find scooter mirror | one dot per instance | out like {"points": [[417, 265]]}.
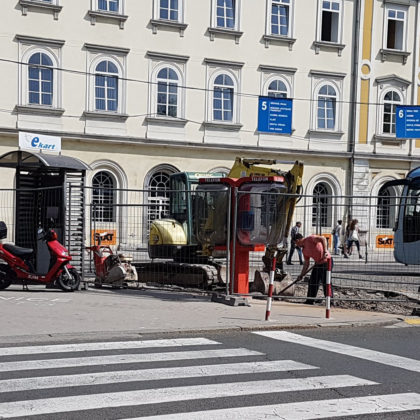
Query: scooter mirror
{"points": [[40, 233]]}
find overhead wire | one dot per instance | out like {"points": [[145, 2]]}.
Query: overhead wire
{"points": [[185, 87]]}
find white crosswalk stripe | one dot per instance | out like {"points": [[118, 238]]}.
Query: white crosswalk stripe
{"points": [[361, 353], [162, 395], [309, 409], [243, 373], [119, 345], [123, 358], [62, 381]]}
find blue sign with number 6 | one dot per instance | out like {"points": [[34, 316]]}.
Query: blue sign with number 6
{"points": [[407, 122]]}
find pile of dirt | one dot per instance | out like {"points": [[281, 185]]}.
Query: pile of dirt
{"points": [[368, 300]]}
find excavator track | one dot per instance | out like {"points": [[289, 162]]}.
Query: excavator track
{"points": [[178, 273]]}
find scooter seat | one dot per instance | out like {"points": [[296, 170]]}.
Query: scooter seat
{"points": [[18, 250]]}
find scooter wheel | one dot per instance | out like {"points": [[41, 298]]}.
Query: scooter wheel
{"points": [[69, 283], [6, 278]]}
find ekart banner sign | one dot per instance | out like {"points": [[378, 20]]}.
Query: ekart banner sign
{"points": [[37, 142]]}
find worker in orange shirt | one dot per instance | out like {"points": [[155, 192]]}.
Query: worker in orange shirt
{"points": [[315, 247]]}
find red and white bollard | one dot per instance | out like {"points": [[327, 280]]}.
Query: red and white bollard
{"points": [[328, 288], [270, 289]]}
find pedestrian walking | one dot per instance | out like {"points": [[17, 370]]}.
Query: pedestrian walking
{"points": [[336, 232], [353, 238], [315, 247], [294, 231]]}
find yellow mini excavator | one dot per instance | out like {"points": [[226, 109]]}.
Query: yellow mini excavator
{"points": [[178, 256]]}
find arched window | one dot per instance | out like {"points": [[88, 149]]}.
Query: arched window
{"points": [[40, 79], [321, 205], [391, 100], [326, 108], [386, 209], [223, 90], [106, 86], [167, 92], [277, 89], [158, 195], [103, 197]]}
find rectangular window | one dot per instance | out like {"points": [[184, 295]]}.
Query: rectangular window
{"points": [[223, 104], [225, 14], [109, 5], [389, 118], [280, 17], [395, 24], [106, 93], [169, 10], [330, 21]]}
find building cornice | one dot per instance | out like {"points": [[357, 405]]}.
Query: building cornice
{"points": [[324, 73], [275, 69], [225, 63], [392, 78], [167, 56], [106, 49], [141, 142], [36, 40]]}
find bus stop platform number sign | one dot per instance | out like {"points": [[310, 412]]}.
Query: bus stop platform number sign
{"points": [[275, 115], [407, 122]]}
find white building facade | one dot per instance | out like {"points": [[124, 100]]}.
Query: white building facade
{"points": [[142, 89]]}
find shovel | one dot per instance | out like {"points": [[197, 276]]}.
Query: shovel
{"points": [[291, 284]]}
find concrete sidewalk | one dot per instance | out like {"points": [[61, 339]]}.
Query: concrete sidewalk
{"points": [[52, 314]]}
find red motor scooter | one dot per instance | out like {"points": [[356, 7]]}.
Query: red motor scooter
{"points": [[19, 266]]}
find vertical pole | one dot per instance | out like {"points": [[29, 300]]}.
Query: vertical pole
{"points": [[270, 289], [69, 220], [233, 238], [228, 250], [328, 289]]}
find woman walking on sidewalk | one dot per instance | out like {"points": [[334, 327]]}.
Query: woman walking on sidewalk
{"points": [[353, 238]]}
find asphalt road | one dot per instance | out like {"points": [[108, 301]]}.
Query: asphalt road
{"points": [[296, 374]]}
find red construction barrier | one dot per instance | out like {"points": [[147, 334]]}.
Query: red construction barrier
{"points": [[328, 288], [270, 290]]}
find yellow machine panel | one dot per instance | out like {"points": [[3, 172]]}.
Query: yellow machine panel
{"points": [[168, 232]]}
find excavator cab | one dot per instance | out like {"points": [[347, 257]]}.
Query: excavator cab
{"points": [[174, 236]]}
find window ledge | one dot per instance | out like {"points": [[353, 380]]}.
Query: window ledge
{"points": [[167, 120], [39, 110], [396, 53], [222, 125], [94, 14], [279, 38], [388, 139], [25, 4], [103, 115], [326, 133], [332, 45], [156, 23], [224, 31]]}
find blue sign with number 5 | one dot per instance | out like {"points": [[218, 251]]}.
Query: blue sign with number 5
{"points": [[275, 115], [407, 122]]}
